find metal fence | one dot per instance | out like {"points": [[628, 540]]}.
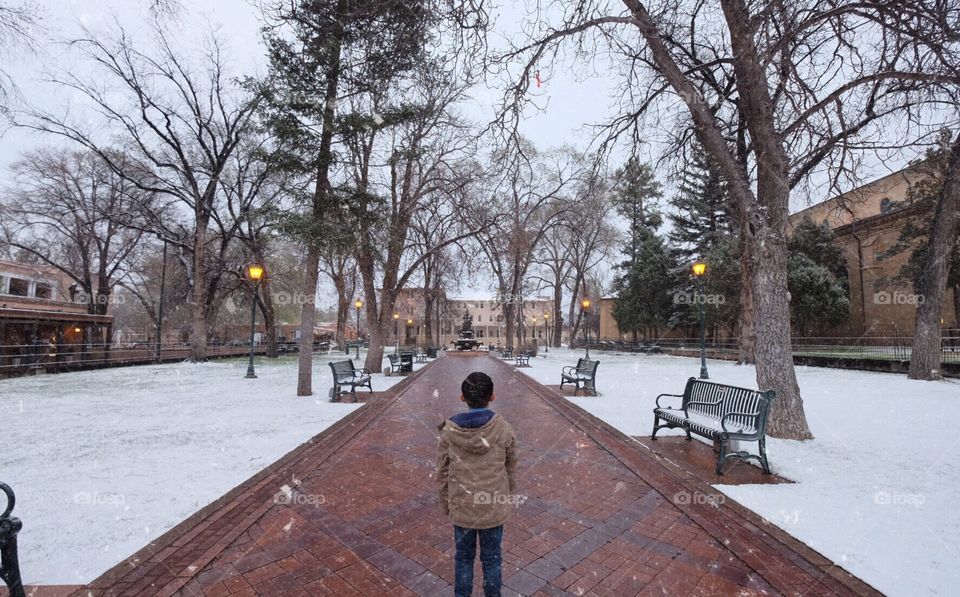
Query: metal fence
{"points": [[870, 348], [21, 359]]}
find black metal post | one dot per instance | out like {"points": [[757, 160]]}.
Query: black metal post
{"points": [[251, 373], [703, 331], [546, 337], [9, 559], [396, 337], [586, 333], [163, 282], [358, 333]]}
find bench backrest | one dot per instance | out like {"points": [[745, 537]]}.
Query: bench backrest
{"points": [[724, 399], [342, 369], [587, 366], [394, 359]]}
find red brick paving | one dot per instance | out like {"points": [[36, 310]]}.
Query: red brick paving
{"points": [[603, 516]]}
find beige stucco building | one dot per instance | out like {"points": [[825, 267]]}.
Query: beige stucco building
{"points": [[867, 222]]}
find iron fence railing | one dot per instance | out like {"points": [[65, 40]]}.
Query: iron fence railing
{"points": [[883, 348]]}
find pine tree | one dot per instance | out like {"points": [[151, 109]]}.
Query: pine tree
{"points": [[817, 278], [700, 215], [645, 281]]}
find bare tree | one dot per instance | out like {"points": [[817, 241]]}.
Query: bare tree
{"points": [[179, 124], [18, 23], [65, 211], [774, 92], [529, 200]]}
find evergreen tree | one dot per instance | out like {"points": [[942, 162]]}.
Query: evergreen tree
{"points": [[635, 197], [817, 278], [645, 281], [700, 217]]}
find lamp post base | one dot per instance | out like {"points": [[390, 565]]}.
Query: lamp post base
{"points": [[251, 374], [703, 373]]}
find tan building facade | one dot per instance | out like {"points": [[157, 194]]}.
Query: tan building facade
{"points": [[867, 222]]}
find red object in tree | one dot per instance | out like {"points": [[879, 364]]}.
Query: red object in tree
{"points": [[537, 77]]}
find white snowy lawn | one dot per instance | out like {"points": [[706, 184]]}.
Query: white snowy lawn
{"points": [[877, 491], [105, 461]]}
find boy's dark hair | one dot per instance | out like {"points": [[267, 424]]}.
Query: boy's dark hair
{"points": [[477, 389]]}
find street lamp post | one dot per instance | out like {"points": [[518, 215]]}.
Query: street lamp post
{"points": [[396, 334], [409, 328], [699, 269], [546, 332], [255, 275], [585, 305], [359, 305]]}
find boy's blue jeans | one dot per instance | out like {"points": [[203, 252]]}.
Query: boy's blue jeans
{"points": [[466, 541]]}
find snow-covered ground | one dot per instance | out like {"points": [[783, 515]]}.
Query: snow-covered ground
{"points": [[105, 461], [877, 491]]}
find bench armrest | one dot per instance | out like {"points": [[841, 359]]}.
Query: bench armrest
{"points": [[361, 372], [669, 396], [723, 421], [569, 368]]}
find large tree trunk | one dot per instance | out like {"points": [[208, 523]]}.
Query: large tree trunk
{"points": [[198, 328], [343, 312], [308, 317], [925, 357], [321, 200], [557, 314], [768, 222], [746, 338]]}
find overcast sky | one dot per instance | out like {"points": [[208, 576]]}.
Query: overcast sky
{"points": [[573, 94]]}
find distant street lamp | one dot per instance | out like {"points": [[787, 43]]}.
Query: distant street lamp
{"points": [[546, 333], [585, 305], [409, 327], [359, 305], [255, 275], [699, 269], [396, 334]]}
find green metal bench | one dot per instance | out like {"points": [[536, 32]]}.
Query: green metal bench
{"points": [[401, 363], [583, 376], [346, 375], [720, 413]]}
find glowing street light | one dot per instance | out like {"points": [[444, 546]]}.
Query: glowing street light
{"points": [[699, 269], [255, 274], [396, 333], [359, 305], [585, 305], [546, 333]]}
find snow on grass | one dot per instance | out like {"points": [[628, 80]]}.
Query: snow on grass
{"points": [[877, 491], [103, 462]]}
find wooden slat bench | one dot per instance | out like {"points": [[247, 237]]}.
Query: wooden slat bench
{"points": [[583, 376], [346, 375], [720, 413]]}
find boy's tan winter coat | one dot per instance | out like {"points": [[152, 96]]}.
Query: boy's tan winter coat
{"points": [[477, 470]]}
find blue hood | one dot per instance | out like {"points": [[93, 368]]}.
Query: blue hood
{"points": [[472, 419]]}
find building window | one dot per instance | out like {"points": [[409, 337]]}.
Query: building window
{"points": [[886, 205], [43, 291], [479, 318], [3, 284], [19, 287]]}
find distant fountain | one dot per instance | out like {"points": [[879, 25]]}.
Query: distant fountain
{"points": [[466, 340]]}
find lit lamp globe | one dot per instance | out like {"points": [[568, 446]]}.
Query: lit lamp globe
{"points": [[358, 304], [585, 303], [699, 268], [255, 272]]}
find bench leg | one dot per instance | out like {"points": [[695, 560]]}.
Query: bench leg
{"points": [[721, 456], [763, 455], [656, 427], [687, 429]]}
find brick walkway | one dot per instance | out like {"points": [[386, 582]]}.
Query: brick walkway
{"points": [[603, 516]]}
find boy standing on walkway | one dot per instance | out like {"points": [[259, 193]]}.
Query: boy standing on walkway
{"points": [[476, 469]]}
